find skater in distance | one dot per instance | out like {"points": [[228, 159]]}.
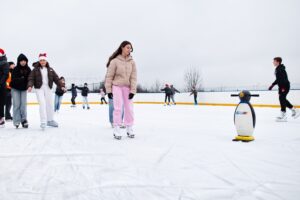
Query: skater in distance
{"points": [[283, 89]]}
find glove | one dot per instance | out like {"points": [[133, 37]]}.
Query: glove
{"points": [[110, 95], [271, 87], [131, 95]]}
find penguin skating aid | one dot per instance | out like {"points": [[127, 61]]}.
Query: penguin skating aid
{"points": [[244, 117]]}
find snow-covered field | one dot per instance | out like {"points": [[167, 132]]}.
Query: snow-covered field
{"points": [[179, 153]]}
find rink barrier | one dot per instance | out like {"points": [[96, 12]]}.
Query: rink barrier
{"points": [[178, 103]]}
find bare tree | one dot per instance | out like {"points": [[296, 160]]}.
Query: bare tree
{"points": [[156, 86], [192, 78]]}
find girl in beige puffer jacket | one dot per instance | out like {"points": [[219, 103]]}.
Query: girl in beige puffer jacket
{"points": [[120, 84]]}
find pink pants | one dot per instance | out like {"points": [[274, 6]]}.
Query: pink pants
{"points": [[120, 97]]}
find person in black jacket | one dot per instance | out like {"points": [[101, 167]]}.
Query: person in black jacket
{"points": [[4, 70], [84, 93], [283, 89], [74, 94], [19, 80], [8, 101], [195, 93], [59, 92], [168, 93]]}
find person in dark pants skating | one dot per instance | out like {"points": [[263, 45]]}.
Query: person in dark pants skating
{"points": [[74, 94], [4, 71], [8, 101], [168, 93], [283, 89], [195, 93]]}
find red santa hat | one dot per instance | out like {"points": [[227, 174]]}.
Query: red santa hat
{"points": [[2, 52], [42, 56]]}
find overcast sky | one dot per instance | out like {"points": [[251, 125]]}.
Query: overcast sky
{"points": [[232, 42]]}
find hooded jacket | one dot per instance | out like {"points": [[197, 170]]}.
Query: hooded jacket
{"points": [[73, 90], [35, 78], [121, 72], [59, 91], [84, 90], [4, 70], [20, 74], [281, 77], [167, 90]]}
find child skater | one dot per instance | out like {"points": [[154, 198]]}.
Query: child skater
{"points": [[102, 94], [120, 84], [74, 95], [42, 78], [84, 93], [59, 93]]}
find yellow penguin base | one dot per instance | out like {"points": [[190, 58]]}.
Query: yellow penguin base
{"points": [[244, 138]]}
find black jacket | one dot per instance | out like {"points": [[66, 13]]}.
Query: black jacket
{"points": [[20, 74], [59, 91], [167, 90], [73, 90], [194, 92], [281, 77], [4, 70], [84, 90]]}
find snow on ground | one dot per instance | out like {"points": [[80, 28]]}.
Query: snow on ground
{"points": [[180, 152]]}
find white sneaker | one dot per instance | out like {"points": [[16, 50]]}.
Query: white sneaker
{"points": [[295, 113], [117, 133], [282, 117], [43, 126], [52, 123], [129, 132]]}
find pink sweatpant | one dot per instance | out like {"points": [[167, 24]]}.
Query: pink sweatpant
{"points": [[120, 97]]}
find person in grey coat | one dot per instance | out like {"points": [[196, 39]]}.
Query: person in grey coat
{"points": [[174, 90]]}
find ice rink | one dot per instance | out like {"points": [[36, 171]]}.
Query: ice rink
{"points": [[179, 153]]}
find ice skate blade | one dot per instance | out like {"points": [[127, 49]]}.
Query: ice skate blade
{"points": [[281, 120]]}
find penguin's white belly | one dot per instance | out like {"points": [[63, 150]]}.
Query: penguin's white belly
{"points": [[244, 120]]}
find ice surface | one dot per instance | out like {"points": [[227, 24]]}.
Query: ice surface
{"points": [[179, 153]]}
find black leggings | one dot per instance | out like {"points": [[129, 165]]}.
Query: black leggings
{"points": [[8, 102], [168, 96], [2, 100], [283, 101], [103, 99], [73, 100]]}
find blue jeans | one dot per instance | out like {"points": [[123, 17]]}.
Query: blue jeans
{"points": [[57, 102], [111, 110], [85, 102], [19, 106]]}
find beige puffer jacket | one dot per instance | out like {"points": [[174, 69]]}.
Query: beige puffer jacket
{"points": [[121, 72]]}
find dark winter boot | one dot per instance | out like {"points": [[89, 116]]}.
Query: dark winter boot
{"points": [[25, 124]]}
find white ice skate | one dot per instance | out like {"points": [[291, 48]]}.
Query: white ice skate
{"points": [[43, 126], [295, 113], [117, 133], [129, 132], [282, 117], [52, 123]]}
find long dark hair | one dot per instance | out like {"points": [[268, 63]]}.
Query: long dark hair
{"points": [[118, 51]]}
